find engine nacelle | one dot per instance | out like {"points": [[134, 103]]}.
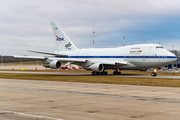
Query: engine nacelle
{"points": [[97, 67], [55, 64]]}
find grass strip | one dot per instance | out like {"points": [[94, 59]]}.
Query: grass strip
{"points": [[127, 72], [97, 79]]}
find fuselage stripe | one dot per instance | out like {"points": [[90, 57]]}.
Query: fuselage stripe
{"points": [[118, 57]]}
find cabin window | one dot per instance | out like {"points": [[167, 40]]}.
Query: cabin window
{"points": [[159, 46]]}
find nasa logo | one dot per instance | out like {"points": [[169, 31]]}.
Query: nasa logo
{"points": [[61, 38]]}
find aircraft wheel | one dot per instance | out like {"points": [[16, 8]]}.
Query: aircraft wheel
{"points": [[93, 73], [105, 73], [97, 73], [153, 74], [114, 73]]}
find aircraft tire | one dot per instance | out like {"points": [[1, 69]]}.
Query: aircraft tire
{"points": [[116, 73], [99, 73], [93, 73], [153, 74], [105, 73]]}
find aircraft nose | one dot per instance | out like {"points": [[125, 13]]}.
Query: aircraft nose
{"points": [[173, 57]]}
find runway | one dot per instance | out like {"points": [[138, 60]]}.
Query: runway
{"points": [[87, 74], [47, 100]]}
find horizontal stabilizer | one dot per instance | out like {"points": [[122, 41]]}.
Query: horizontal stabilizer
{"points": [[55, 54]]}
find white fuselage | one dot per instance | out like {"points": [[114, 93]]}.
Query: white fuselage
{"points": [[141, 56]]}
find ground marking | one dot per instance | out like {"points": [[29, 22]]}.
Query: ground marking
{"points": [[30, 115]]}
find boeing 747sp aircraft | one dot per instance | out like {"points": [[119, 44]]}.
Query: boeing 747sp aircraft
{"points": [[139, 57]]}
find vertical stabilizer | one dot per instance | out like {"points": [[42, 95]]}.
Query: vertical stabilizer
{"points": [[63, 42]]}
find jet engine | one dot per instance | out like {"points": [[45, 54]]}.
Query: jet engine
{"points": [[55, 64], [97, 67]]}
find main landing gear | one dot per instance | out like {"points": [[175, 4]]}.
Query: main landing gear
{"points": [[99, 73], [154, 73], [116, 72]]}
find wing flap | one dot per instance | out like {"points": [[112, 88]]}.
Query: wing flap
{"points": [[109, 62], [31, 57], [69, 59], [114, 63]]}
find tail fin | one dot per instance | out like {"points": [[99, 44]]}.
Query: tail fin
{"points": [[63, 43]]}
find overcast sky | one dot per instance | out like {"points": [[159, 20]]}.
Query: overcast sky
{"points": [[25, 24]]}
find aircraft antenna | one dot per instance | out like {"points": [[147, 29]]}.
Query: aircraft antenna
{"points": [[123, 40], [143, 40], [93, 38]]}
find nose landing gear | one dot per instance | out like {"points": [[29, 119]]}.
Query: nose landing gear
{"points": [[154, 73]]}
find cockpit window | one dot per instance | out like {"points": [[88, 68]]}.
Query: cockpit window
{"points": [[159, 46]]}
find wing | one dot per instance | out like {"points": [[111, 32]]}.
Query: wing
{"points": [[75, 60], [90, 61], [51, 58]]}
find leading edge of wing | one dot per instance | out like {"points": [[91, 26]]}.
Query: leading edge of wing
{"points": [[55, 54], [31, 57]]}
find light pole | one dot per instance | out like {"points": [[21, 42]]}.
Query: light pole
{"points": [[93, 38], [123, 40]]}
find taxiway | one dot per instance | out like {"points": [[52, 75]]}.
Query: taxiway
{"points": [[46, 100]]}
